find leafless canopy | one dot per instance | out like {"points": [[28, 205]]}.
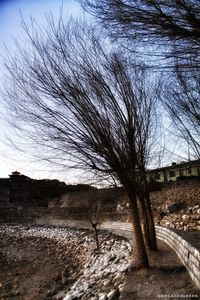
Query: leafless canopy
{"points": [[181, 98], [172, 26], [84, 102]]}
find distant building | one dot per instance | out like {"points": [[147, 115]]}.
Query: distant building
{"points": [[175, 171], [4, 190], [20, 188], [23, 190]]}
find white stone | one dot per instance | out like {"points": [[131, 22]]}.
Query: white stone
{"points": [[102, 297], [71, 296], [185, 217], [112, 294], [195, 207], [106, 282]]}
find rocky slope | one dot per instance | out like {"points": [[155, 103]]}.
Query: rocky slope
{"points": [[178, 205], [187, 218], [103, 274]]}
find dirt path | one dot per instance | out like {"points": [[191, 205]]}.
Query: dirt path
{"points": [[166, 279]]}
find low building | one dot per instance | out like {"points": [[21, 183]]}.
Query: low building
{"points": [[175, 171]]}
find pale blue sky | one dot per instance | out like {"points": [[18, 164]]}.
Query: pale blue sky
{"points": [[10, 28], [10, 13]]}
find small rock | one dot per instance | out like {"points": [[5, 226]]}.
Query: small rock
{"points": [[196, 217], [106, 282], [123, 269], [185, 217], [113, 295], [102, 297], [120, 288], [112, 257], [17, 293], [59, 296], [190, 209], [195, 207], [74, 296]]}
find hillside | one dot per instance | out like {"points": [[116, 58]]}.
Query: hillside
{"points": [[178, 205]]}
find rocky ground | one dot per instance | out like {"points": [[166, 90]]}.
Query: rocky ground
{"points": [[179, 215], [58, 263]]}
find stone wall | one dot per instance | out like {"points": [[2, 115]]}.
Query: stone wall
{"points": [[189, 256], [106, 199]]}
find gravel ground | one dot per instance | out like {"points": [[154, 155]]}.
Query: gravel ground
{"points": [[60, 263]]}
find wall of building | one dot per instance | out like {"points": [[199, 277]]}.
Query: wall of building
{"points": [[4, 196], [173, 172]]}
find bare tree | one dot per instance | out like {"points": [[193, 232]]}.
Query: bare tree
{"points": [[181, 98], [84, 103], [167, 34], [146, 140], [94, 218], [171, 27]]}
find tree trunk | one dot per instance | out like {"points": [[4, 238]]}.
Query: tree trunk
{"points": [[96, 236], [146, 230], [147, 200], [150, 221], [141, 253]]}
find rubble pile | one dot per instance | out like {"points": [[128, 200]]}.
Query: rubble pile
{"points": [[186, 218], [103, 275]]}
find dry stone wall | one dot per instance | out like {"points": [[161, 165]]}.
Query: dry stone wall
{"points": [[57, 216], [189, 256]]}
